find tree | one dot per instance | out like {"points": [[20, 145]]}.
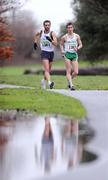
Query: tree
{"points": [[92, 24], [6, 37], [24, 23], [6, 50]]}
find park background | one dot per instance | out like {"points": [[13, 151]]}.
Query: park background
{"points": [[20, 64]]}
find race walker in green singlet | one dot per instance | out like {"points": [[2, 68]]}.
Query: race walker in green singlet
{"points": [[69, 47]]}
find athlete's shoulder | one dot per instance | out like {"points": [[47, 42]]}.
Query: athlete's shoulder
{"points": [[38, 33], [76, 35], [52, 33], [64, 37]]}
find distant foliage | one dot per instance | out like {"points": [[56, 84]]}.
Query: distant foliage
{"points": [[26, 24], [92, 25], [6, 49], [6, 37]]}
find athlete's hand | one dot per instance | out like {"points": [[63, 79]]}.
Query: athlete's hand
{"points": [[35, 45], [75, 49], [48, 38], [63, 53]]}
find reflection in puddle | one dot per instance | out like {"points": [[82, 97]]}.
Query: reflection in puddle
{"points": [[33, 146]]}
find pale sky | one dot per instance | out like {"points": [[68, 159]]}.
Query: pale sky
{"points": [[58, 11]]}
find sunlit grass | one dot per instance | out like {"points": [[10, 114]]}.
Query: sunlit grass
{"points": [[81, 82], [18, 70], [42, 102]]}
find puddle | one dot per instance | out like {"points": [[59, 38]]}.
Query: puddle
{"points": [[33, 146]]}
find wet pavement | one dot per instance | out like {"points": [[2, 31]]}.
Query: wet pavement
{"points": [[34, 147], [96, 104]]}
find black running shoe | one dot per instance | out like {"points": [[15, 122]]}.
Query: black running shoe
{"points": [[72, 88], [51, 85], [69, 86]]}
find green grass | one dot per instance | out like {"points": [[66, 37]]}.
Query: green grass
{"points": [[82, 63], [18, 70], [36, 100], [42, 102], [81, 82], [57, 64]]}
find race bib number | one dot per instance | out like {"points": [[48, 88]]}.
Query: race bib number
{"points": [[71, 47], [45, 43]]}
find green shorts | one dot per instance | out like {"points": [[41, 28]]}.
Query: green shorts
{"points": [[71, 56]]}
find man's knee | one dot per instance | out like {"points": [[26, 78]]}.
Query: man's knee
{"points": [[75, 72], [68, 71], [47, 71]]}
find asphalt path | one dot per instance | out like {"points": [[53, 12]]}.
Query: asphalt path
{"points": [[96, 104]]}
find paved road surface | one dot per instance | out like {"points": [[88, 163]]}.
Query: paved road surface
{"points": [[96, 103]]}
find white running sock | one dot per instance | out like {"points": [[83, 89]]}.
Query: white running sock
{"points": [[49, 82], [70, 83], [43, 83]]}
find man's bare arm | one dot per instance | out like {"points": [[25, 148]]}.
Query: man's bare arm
{"points": [[62, 45], [37, 37], [36, 40], [54, 40], [79, 42]]}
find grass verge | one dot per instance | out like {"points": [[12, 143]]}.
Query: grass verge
{"points": [[42, 102]]}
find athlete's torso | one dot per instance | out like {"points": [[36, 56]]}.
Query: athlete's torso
{"points": [[70, 43], [45, 44]]}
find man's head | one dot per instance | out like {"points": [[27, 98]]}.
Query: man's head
{"points": [[69, 27], [47, 25]]}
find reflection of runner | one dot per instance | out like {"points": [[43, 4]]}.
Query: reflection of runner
{"points": [[48, 41], [47, 149], [70, 143], [69, 45], [6, 131]]}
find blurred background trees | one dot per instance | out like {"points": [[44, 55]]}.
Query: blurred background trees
{"points": [[18, 27], [24, 27], [91, 22], [6, 50]]}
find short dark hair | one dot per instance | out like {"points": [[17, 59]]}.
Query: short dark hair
{"points": [[46, 21], [69, 24]]}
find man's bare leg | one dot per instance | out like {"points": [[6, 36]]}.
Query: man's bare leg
{"points": [[68, 72]]}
